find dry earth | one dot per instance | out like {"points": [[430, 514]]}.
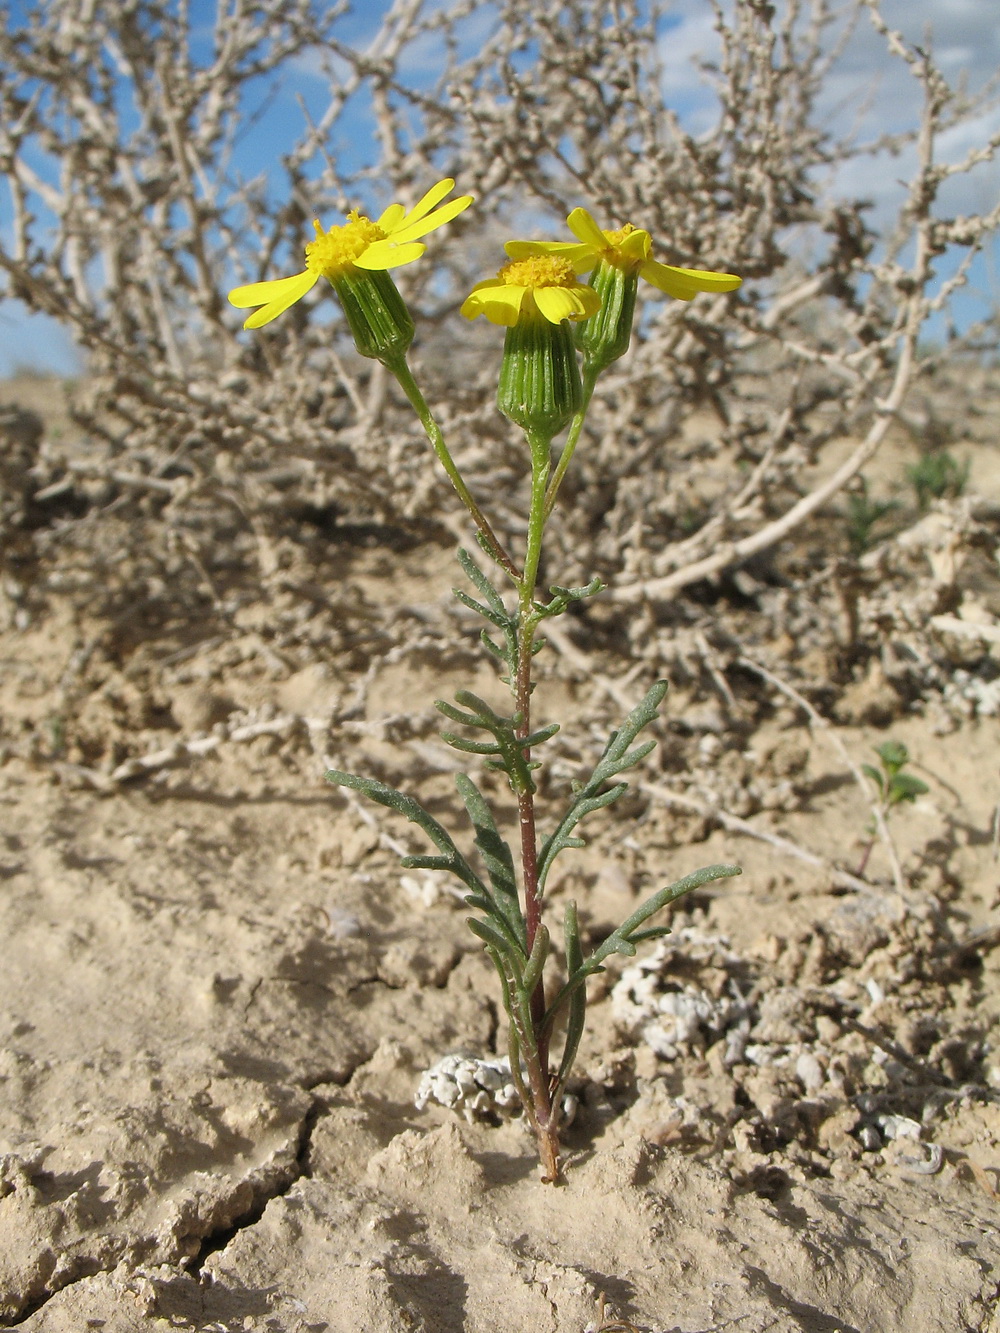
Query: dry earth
{"points": [[220, 992]]}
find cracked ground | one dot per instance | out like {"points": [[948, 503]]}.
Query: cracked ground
{"points": [[219, 1000]]}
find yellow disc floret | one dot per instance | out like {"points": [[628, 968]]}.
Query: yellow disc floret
{"points": [[538, 271], [615, 238], [336, 250]]}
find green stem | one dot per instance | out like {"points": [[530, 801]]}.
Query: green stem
{"points": [[527, 623], [590, 374], [542, 1111], [399, 367]]}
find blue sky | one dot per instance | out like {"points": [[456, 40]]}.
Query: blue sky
{"points": [[865, 92]]}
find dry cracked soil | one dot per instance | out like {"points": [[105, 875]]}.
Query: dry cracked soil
{"points": [[220, 993]]}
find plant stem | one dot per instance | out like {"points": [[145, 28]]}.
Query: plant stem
{"points": [[543, 1115], [526, 625], [590, 374], [398, 366]]}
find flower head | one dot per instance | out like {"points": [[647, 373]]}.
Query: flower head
{"points": [[627, 249], [359, 243], [538, 285]]}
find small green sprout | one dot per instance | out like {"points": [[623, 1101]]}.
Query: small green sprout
{"points": [[938, 475], [893, 784], [863, 513], [894, 787]]}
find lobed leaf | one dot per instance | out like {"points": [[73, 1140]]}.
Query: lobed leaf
{"points": [[451, 859], [496, 856], [577, 1001]]}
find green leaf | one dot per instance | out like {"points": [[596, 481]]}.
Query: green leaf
{"points": [[491, 608], [482, 584], [616, 758], [494, 649], [564, 597], [425, 862], [536, 962], [543, 734], [510, 750], [469, 747], [501, 621], [452, 859], [651, 933], [657, 902], [623, 939], [467, 719], [870, 771], [905, 787], [894, 755], [490, 935], [496, 856], [577, 1001], [479, 901]]}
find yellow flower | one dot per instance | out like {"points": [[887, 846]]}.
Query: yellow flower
{"points": [[537, 285], [627, 249], [358, 244]]}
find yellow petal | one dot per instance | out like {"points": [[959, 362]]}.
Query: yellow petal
{"points": [[499, 302], [582, 225], [584, 262], [487, 284], [391, 217], [290, 291], [555, 303], [635, 246], [581, 257], [433, 197], [502, 312], [559, 303], [261, 293], [410, 229], [685, 283], [387, 254], [570, 250]]}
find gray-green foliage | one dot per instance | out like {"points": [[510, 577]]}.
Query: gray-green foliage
{"points": [[500, 921]]}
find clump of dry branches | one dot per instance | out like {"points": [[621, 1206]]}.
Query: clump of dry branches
{"points": [[120, 129]]}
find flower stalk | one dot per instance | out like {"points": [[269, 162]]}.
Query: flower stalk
{"points": [[491, 542]]}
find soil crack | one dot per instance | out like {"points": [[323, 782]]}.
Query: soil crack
{"points": [[216, 1239]]}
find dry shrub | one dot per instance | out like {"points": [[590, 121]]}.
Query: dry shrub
{"points": [[206, 454]]}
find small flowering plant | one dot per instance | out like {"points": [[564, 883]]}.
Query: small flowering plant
{"points": [[561, 334]]}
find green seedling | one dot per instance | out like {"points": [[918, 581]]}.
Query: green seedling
{"points": [[894, 787], [938, 475], [863, 515], [561, 334]]}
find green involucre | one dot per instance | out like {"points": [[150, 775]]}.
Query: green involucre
{"points": [[379, 320], [606, 336], [540, 388]]}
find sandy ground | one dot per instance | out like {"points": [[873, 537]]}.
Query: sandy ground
{"points": [[220, 994]]}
